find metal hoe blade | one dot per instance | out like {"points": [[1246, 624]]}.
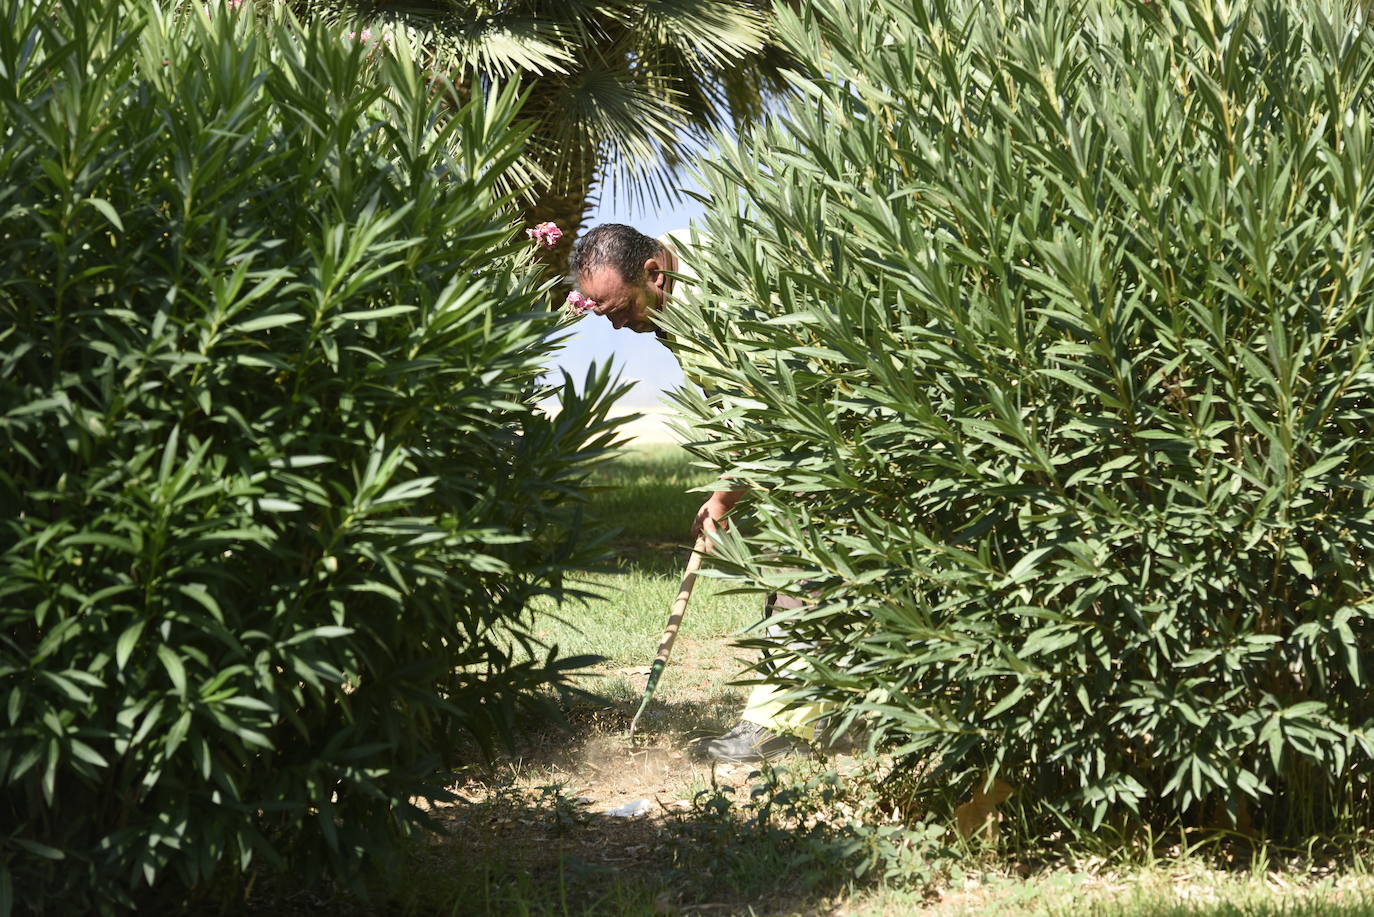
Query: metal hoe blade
{"points": [[665, 643]]}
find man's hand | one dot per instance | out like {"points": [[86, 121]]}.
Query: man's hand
{"points": [[711, 517]]}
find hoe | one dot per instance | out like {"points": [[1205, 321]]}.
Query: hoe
{"points": [[665, 643]]}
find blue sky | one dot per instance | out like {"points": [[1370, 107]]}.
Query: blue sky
{"points": [[637, 356]]}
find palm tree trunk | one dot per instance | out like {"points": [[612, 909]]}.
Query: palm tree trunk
{"points": [[567, 205]]}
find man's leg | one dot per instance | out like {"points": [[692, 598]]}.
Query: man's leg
{"points": [[767, 728], [765, 706]]}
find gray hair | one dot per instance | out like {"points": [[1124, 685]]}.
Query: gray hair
{"points": [[614, 245]]}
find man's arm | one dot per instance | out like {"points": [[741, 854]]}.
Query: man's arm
{"points": [[711, 516]]}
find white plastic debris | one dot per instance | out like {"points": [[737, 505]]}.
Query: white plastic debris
{"points": [[631, 809]]}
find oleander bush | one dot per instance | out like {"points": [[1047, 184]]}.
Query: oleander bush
{"points": [[274, 488], [1045, 335]]}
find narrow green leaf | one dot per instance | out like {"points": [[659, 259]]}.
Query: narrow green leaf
{"points": [[264, 322], [106, 210], [88, 754], [39, 850], [124, 646], [176, 671]]}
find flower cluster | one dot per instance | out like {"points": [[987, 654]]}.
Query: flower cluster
{"points": [[365, 36], [546, 234], [578, 303]]}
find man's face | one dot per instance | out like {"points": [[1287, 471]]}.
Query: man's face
{"points": [[626, 305]]}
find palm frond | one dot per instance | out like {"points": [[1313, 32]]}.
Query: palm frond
{"points": [[632, 124], [497, 46], [720, 34]]}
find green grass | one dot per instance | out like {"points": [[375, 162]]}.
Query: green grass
{"points": [[694, 696], [647, 492], [624, 623], [624, 626], [1181, 889]]}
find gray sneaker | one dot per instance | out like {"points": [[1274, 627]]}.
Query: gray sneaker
{"points": [[748, 742]]}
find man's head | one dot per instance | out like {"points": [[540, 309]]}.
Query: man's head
{"points": [[623, 271]]}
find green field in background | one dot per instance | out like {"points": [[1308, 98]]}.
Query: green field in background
{"points": [[647, 493]]}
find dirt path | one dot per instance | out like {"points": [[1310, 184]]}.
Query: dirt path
{"points": [[542, 826]]}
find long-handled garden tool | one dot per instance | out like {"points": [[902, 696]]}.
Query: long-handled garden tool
{"points": [[665, 643]]}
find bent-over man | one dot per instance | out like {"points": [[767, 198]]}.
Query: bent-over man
{"points": [[629, 278]]}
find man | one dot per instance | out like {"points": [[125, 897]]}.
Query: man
{"points": [[629, 278]]}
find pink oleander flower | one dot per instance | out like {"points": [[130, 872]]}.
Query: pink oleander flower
{"points": [[233, 4], [364, 36], [547, 235], [578, 303]]}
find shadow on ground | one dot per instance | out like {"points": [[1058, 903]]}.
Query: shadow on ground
{"points": [[545, 854], [650, 556], [532, 834]]}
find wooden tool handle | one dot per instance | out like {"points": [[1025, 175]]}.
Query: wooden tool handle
{"points": [[684, 592], [665, 643]]}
